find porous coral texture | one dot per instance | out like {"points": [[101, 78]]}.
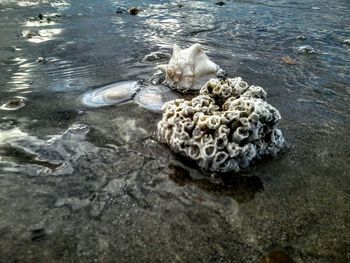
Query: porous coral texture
{"points": [[224, 128]]}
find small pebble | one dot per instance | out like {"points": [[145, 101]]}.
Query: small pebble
{"points": [[220, 3], [276, 257], [221, 74], [301, 37], [288, 60], [120, 10], [41, 60], [307, 49], [134, 11], [347, 41], [38, 233]]}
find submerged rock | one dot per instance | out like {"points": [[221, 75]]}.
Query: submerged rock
{"points": [[288, 60], [227, 126]]}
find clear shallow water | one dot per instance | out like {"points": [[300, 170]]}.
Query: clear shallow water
{"points": [[88, 185]]}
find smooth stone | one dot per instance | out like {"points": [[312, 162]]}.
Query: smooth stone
{"points": [[153, 98], [112, 94]]}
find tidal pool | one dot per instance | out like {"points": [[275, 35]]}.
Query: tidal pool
{"points": [[82, 184]]}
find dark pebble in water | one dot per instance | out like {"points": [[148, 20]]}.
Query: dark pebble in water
{"points": [[307, 49], [111, 94], [14, 104], [220, 3], [301, 37], [156, 56], [38, 233], [221, 74], [179, 5], [276, 257], [28, 34], [134, 11], [40, 16], [41, 60], [153, 98], [120, 10]]}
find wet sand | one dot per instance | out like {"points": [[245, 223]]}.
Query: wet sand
{"points": [[87, 185]]}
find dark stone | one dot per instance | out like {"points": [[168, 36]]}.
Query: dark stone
{"points": [[276, 257], [40, 60], [38, 233], [220, 3], [134, 11]]}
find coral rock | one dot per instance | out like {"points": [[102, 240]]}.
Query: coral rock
{"points": [[224, 128]]}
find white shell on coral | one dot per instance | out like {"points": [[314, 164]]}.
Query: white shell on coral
{"points": [[153, 98], [111, 94], [186, 67]]}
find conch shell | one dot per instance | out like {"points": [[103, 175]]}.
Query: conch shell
{"points": [[186, 66]]}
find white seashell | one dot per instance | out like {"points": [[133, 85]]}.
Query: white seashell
{"points": [[153, 98], [111, 94], [186, 67]]}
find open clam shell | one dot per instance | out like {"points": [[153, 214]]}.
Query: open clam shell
{"points": [[14, 104], [154, 97], [112, 94]]}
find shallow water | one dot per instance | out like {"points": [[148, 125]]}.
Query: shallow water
{"points": [[82, 184]]}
